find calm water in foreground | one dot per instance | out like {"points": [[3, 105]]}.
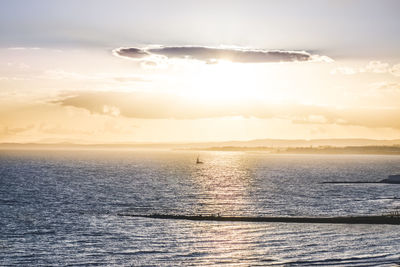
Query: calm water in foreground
{"points": [[60, 208]]}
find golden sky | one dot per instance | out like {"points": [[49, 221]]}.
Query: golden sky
{"points": [[255, 84]]}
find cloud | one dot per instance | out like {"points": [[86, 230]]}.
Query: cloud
{"points": [[13, 79], [130, 52], [386, 86], [395, 70], [213, 54], [58, 74], [372, 67], [24, 48], [114, 111], [376, 67], [65, 75], [163, 106], [141, 105], [56, 129], [5, 130], [365, 117], [344, 70], [129, 79], [46, 122]]}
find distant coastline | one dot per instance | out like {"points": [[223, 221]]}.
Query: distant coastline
{"points": [[373, 150], [276, 146]]}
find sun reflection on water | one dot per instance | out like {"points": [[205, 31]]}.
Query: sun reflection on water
{"points": [[223, 185]]}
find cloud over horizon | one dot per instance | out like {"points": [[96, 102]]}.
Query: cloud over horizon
{"points": [[213, 54], [165, 106]]}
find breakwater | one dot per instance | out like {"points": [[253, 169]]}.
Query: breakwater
{"points": [[380, 219]]}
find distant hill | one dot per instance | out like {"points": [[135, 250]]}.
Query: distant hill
{"points": [[377, 150], [305, 143]]}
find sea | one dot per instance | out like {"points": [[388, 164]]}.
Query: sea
{"points": [[63, 208]]}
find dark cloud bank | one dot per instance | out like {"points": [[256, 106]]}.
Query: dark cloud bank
{"points": [[210, 54]]}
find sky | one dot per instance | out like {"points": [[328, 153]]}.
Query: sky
{"points": [[122, 71]]}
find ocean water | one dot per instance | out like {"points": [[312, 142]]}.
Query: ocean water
{"points": [[61, 208]]}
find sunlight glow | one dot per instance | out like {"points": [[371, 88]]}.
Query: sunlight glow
{"points": [[223, 82]]}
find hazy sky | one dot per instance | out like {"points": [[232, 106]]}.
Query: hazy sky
{"points": [[162, 71]]}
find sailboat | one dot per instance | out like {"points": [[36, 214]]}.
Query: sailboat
{"points": [[198, 161]]}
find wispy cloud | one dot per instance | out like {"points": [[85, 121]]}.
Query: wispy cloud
{"points": [[395, 70], [24, 48], [344, 70], [386, 86], [14, 130], [58, 74], [375, 66], [213, 54]]}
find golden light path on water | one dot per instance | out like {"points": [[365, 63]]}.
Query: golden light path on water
{"points": [[224, 184]]}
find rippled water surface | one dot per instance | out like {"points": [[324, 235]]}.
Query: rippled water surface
{"points": [[61, 208]]}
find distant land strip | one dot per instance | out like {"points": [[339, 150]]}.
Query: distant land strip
{"points": [[374, 150], [328, 146], [382, 219]]}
